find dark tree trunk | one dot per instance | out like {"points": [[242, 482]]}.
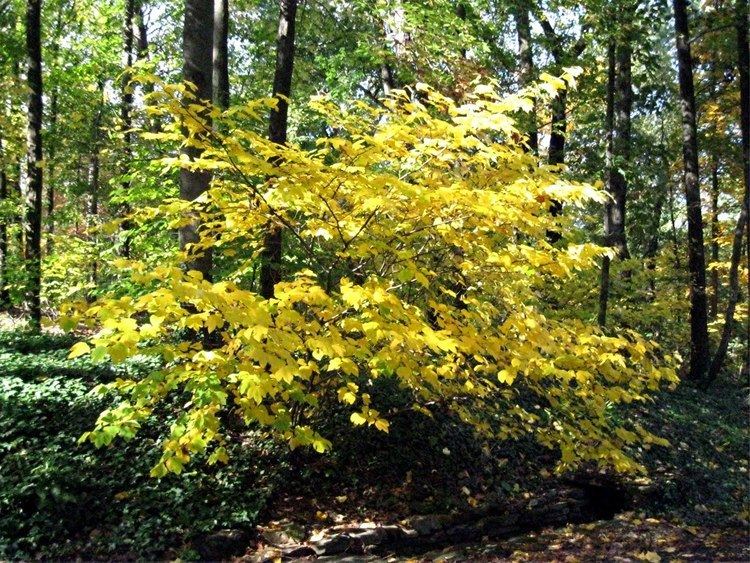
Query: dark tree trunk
{"points": [[621, 146], [559, 123], [140, 32], [221, 54], [270, 272], [734, 283], [198, 69], [713, 304], [34, 184], [4, 293], [699, 352], [461, 15], [125, 115], [609, 126], [526, 66]]}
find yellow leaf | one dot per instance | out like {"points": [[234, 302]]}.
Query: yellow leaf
{"points": [[79, 349], [357, 419]]}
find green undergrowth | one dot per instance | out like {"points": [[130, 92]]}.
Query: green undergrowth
{"points": [[703, 477], [59, 499]]}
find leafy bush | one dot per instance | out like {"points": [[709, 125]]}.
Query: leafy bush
{"points": [[417, 250]]}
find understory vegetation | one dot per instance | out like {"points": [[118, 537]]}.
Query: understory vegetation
{"points": [[60, 499]]}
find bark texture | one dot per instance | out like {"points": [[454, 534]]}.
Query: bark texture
{"points": [[526, 66], [270, 272], [609, 126], [4, 293], [699, 352], [34, 172], [221, 54], [198, 70]]}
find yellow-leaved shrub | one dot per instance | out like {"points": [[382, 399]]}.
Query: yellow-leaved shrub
{"points": [[415, 249]]}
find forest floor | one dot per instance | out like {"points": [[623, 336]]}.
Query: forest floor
{"points": [[469, 500]]}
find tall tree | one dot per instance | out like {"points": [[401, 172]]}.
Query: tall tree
{"points": [[526, 64], [562, 54], [609, 127], [52, 131], [197, 37], [94, 172], [619, 157], [734, 283], [699, 352], [34, 162], [4, 293], [713, 303], [221, 54], [125, 113], [270, 273]]}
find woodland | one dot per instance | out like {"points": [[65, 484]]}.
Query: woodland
{"points": [[374, 280]]}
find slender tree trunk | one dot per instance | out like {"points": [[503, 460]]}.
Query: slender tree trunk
{"points": [[125, 116], [734, 283], [93, 179], [4, 293], [140, 32], [461, 15], [270, 272], [609, 126], [34, 171], [652, 247], [198, 69], [713, 304], [699, 352], [51, 175], [53, 140], [621, 145], [387, 80], [556, 152], [221, 54], [526, 66]]}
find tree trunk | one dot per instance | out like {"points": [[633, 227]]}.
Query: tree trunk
{"points": [[4, 293], [125, 117], [51, 170], [53, 140], [198, 69], [221, 54], [387, 80], [526, 66], [140, 32], [609, 126], [556, 152], [621, 145], [713, 304], [93, 177], [34, 171], [734, 284], [699, 352], [270, 273]]}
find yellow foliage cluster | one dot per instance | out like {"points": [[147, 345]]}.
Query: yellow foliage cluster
{"points": [[415, 249]]}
